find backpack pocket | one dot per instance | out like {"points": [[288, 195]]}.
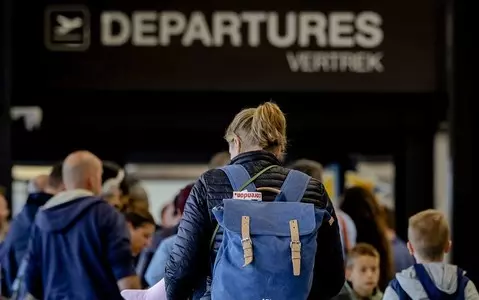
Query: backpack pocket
{"points": [[268, 250]]}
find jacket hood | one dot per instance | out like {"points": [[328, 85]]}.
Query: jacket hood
{"points": [[33, 203], [443, 275], [64, 209], [38, 199]]}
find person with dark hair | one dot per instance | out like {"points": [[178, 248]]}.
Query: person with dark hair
{"points": [[16, 242], [361, 205], [164, 233], [141, 226], [402, 258], [55, 180], [156, 268], [347, 228]]}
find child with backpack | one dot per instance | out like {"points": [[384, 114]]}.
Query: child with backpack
{"points": [[430, 278], [362, 274]]}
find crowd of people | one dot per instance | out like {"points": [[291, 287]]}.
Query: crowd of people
{"points": [[86, 232]]}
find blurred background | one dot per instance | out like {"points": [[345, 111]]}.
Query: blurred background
{"points": [[379, 92]]}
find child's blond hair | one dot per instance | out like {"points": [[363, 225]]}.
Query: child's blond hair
{"points": [[428, 233], [361, 249]]}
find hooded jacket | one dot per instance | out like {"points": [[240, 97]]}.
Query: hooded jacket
{"points": [[80, 248], [443, 275]]}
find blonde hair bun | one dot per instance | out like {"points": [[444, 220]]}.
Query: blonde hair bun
{"points": [[269, 126]]}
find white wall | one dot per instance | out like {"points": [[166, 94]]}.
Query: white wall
{"points": [[443, 177], [19, 196], [161, 192]]}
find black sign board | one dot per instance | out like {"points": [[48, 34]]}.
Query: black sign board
{"points": [[232, 45]]}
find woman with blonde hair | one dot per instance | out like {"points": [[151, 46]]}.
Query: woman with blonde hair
{"points": [[257, 140]]}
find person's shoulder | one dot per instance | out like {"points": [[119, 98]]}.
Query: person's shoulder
{"points": [[316, 192], [408, 273], [210, 179], [101, 204], [211, 174], [104, 211]]}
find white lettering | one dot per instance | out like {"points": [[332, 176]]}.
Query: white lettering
{"points": [[143, 25], [312, 24], [321, 61], [254, 20], [311, 29], [369, 34], [197, 30], [226, 24], [171, 23], [107, 20], [341, 29], [290, 32]]}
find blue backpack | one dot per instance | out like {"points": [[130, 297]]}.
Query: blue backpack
{"points": [[268, 248], [432, 292]]}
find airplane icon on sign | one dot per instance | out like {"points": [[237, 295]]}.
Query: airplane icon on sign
{"points": [[66, 25]]}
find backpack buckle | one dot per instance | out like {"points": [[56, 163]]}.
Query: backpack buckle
{"points": [[246, 240], [295, 246]]}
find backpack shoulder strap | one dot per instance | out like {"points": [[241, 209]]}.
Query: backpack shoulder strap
{"points": [[238, 176], [239, 179], [429, 287], [396, 286], [295, 185], [462, 281]]}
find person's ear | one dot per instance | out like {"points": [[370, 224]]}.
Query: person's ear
{"points": [[348, 273], [237, 143], [448, 247], [234, 146], [410, 248]]}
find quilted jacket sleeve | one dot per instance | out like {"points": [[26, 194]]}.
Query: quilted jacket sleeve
{"points": [[329, 266], [189, 260]]}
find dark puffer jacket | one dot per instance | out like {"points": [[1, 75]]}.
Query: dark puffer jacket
{"points": [[190, 259]]}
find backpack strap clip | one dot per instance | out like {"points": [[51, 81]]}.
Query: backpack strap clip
{"points": [[246, 241], [295, 246]]}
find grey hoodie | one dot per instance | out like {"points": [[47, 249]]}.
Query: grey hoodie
{"points": [[443, 275]]}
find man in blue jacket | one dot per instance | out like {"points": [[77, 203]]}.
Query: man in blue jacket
{"points": [[16, 243], [80, 248]]}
